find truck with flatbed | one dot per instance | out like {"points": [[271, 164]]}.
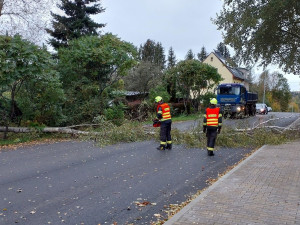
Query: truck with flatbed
{"points": [[236, 101]]}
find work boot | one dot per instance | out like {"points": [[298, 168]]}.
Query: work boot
{"points": [[161, 147], [169, 146], [210, 153]]}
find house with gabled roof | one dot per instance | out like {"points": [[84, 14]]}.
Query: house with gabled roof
{"points": [[228, 73]]}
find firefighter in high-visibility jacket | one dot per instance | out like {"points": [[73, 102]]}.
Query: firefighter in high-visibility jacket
{"points": [[164, 116], [212, 124]]}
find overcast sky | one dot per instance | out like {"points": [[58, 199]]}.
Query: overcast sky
{"points": [[180, 24]]}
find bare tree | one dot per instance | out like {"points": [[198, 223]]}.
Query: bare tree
{"points": [[28, 18], [145, 76]]}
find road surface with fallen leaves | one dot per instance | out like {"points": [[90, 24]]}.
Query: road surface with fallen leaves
{"points": [[79, 183]]}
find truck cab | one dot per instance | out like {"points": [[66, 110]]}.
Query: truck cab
{"points": [[231, 93], [235, 100]]}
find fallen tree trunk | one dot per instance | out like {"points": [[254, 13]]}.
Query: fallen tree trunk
{"points": [[62, 130], [272, 128]]}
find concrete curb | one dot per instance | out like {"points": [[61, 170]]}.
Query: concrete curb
{"points": [[209, 189]]}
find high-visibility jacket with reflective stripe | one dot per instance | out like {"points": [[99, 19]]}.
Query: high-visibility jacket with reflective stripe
{"points": [[164, 110], [212, 117]]}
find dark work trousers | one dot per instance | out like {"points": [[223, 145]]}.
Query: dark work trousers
{"points": [[211, 135], [165, 132]]}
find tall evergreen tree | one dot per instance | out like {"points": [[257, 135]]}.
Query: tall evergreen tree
{"points": [[159, 56], [147, 51], [171, 58], [171, 78], [202, 55], [221, 47], [152, 52], [75, 23], [189, 55]]}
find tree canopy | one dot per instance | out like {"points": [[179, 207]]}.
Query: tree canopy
{"points": [[277, 90], [267, 30], [189, 55], [28, 18], [75, 23], [195, 79], [171, 58], [202, 55], [143, 77], [28, 81], [153, 52], [88, 66], [221, 47]]}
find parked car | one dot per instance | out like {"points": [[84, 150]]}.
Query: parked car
{"points": [[261, 108], [270, 109]]}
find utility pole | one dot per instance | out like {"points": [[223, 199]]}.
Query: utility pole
{"points": [[264, 88]]}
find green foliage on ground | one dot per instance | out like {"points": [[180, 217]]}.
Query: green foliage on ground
{"points": [[108, 133], [233, 139]]}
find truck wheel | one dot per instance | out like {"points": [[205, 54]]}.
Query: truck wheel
{"points": [[233, 116]]}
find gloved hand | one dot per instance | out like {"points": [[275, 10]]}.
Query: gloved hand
{"points": [[219, 130], [204, 129]]}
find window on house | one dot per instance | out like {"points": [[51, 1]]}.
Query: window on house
{"points": [[211, 59]]}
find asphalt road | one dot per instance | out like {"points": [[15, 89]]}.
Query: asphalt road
{"points": [[79, 183]]}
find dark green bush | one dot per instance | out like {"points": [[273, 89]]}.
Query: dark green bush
{"points": [[115, 114]]}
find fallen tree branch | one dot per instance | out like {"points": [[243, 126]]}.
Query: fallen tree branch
{"points": [[279, 129], [286, 117], [148, 129], [84, 125]]}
